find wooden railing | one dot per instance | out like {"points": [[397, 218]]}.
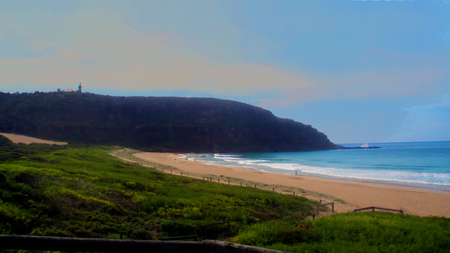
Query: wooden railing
{"points": [[23, 242], [325, 204], [379, 208], [205, 227], [179, 238]]}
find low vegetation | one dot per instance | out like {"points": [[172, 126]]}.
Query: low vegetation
{"points": [[85, 192], [352, 232]]}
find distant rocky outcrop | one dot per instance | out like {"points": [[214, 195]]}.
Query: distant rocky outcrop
{"points": [[171, 124]]}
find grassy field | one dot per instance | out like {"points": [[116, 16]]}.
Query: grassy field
{"points": [[85, 192]]}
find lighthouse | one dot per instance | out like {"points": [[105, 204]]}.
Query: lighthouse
{"points": [[79, 88]]}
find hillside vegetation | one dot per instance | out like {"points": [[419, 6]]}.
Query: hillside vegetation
{"points": [[155, 123], [85, 192]]}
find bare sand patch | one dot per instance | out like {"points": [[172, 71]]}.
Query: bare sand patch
{"points": [[15, 138], [355, 194]]}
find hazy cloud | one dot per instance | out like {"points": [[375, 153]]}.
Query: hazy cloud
{"points": [[429, 122]]}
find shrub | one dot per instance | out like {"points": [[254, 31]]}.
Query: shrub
{"points": [[180, 228], [353, 232], [292, 235]]}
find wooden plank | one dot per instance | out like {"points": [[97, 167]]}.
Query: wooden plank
{"points": [[379, 208], [226, 247], [179, 238], [111, 245], [95, 245], [330, 203]]}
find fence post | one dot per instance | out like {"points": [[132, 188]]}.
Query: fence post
{"points": [[241, 183], [255, 185], [293, 193], [332, 207]]}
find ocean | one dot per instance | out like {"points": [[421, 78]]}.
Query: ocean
{"points": [[424, 165]]}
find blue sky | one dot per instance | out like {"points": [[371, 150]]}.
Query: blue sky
{"points": [[359, 71]]}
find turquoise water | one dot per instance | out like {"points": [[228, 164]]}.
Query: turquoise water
{"points": [[415, 164]]}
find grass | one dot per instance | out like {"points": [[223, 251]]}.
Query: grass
{"points": [[352, 232], [85, 192]]}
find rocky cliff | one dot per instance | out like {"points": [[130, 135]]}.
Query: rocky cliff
{"points": [[156, 123]]}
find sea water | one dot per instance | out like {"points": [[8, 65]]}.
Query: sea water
{"points": [[415, 164]]}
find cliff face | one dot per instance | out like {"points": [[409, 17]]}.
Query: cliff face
{"points": [[156, 123]]}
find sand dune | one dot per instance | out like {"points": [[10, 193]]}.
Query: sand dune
{"points": [[15, 138], [355, 194]]}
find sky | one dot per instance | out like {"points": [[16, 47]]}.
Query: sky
{"points": [[360, 71]]}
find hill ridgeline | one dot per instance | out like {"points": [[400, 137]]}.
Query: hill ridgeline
{"points": [[168, 124]]}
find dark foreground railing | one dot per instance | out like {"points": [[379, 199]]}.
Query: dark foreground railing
{"points": [[109, 245]]}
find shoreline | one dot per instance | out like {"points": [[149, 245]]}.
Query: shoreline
{"points": [[381, 183], [355, 194], [343, 179]]}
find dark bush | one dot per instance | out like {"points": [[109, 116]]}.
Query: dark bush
{"points": [[27, 178], [293, 235], [53, 206], [179, 228], [2, 178], [140, 234]]}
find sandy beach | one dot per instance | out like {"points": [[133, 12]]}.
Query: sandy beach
{"points": [[355, 194], [15, 138]]}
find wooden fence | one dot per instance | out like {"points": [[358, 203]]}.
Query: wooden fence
{"points": [[379, 208], [325, 204], [109, 245], [205, 227]]}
